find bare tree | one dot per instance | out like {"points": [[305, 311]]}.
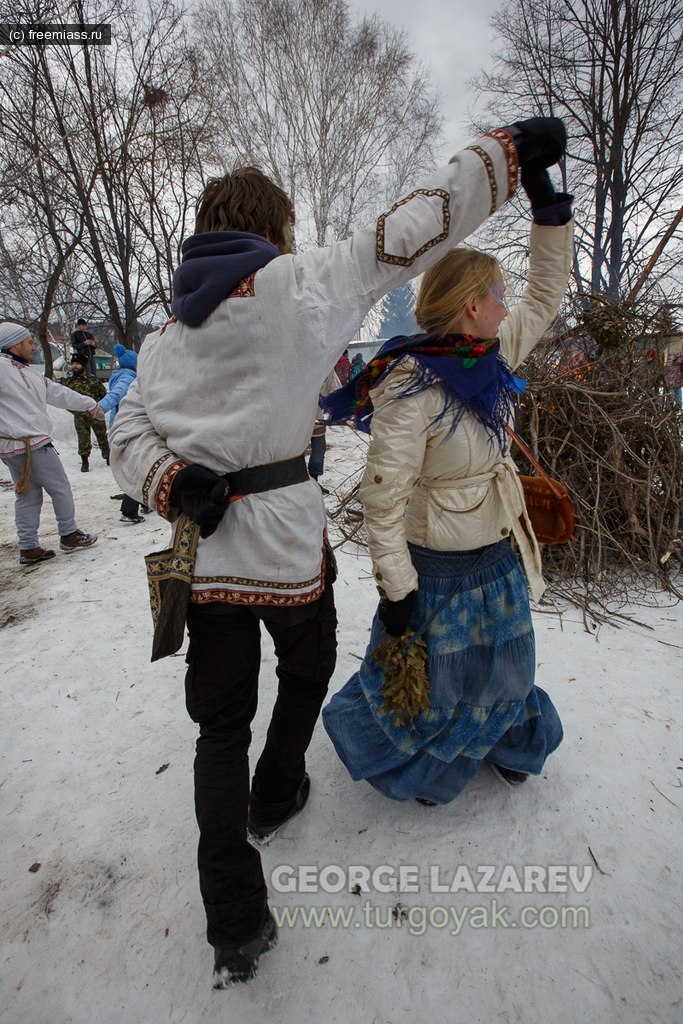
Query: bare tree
{"points": [[613, 71], [596, 410], [340, 114], [39, 226], [116, 135]]}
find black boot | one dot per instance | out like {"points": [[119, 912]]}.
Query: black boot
{"points": [[239, 963], [85, 465], [265, 822], [509, 775], [542, 139]]}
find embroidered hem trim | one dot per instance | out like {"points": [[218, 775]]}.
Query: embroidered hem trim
{"points": [[249, 598], [264, 598]]}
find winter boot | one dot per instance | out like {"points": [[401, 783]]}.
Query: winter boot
{"points": [[239, 963], [85, 465], [32, 556], [508, 775], [74, 541], [263, 824]]}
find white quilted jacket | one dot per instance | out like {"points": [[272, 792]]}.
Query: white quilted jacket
{"points": [[454, 493]]}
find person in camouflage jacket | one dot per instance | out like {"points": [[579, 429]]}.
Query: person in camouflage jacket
{"points": [[85, 384]]}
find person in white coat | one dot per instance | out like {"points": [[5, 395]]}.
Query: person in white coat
{"points": [[27, 449], [441, 500], [219, 419]]}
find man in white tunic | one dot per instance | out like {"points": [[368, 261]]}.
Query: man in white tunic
{"points": [[225, 400]]}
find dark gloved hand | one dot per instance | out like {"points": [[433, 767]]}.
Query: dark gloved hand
{"points": [[538, 186], [541, 140], [396, 614], [202, 495]]}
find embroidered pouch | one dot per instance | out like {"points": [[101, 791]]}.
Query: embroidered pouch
{"points": [[169, 577]]}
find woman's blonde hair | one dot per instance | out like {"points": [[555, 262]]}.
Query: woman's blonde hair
{"points": [[461, 276]]}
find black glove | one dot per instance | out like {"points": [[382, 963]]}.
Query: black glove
{"points": [[541, 140], [537, 185], [396, 614], [202, 495]]}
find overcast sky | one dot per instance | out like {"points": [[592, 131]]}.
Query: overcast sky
{"points": [[454, 39]]}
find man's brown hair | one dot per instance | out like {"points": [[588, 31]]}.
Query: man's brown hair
{"points": [[245, 200]]}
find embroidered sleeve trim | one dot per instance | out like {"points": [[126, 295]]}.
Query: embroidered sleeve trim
{"points": [[488, 164], [508, 144], [164, 489], [512, 160], [407, 261]]}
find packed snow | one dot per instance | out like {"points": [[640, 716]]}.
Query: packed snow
{"points": [[559, 900]]}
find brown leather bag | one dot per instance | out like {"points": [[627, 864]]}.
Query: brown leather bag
{"points": [[547, 501]]}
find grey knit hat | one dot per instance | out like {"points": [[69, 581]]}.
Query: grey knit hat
{"points": [[11, 334]]}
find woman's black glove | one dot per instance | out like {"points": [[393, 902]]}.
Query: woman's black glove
{"points": [[396, 614], [202, 495], [537, 185]]}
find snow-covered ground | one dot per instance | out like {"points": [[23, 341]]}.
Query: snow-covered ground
{"points": [[101, 917]]}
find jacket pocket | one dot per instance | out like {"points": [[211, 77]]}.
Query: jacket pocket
{"points": [[456, 516]]}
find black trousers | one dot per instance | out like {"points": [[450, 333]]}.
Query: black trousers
{"points": [[221, 687], [129, 506]]}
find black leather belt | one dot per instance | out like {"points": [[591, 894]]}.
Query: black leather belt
{"points": [[255, 479]]}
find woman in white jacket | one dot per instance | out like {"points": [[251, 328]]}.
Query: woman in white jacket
{"points": [[441, 500]]}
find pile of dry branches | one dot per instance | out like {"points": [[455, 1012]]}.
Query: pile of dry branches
{"points": [[601, 419]]}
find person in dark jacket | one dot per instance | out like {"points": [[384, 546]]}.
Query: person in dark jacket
{"points": [[84, 344], [84, 383]]}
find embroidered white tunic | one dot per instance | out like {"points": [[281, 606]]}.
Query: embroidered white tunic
{"points": [[24, 397], [242, 389]]}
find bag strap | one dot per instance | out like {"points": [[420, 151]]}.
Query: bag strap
{"points": [[186, 538], [552, 484]]}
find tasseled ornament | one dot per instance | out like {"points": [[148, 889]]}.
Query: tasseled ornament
{"points": [[406, 687]]}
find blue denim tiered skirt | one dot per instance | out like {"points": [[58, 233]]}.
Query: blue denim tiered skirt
{"points": [[480, 665]]}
